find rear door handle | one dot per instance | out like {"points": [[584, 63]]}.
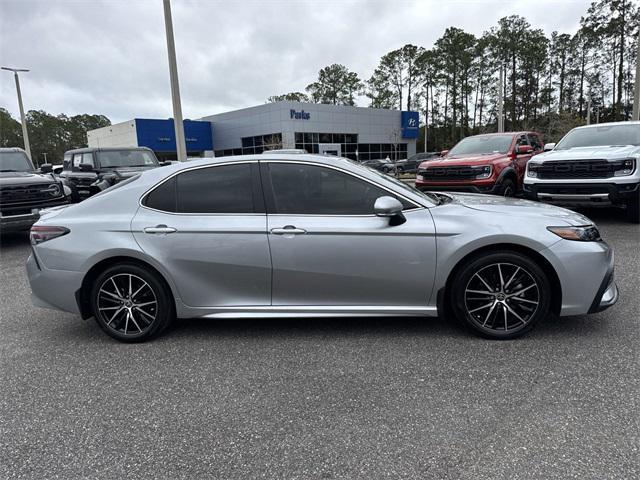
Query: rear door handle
{"points": [[288, 230], [162, 229]]}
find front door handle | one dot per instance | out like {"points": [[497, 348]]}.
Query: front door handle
{"points": [[162, 229], [288, 230]]}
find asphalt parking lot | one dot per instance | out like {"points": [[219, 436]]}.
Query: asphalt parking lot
{"points": [[330, 398]]}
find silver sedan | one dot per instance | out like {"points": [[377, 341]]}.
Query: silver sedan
{"points": [[286, 234]]}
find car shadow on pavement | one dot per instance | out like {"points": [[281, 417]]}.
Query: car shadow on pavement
{"points": [[11, 239], [310, 327]]}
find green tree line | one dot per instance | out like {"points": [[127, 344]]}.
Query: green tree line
{"points": [[551, 82], [49, 134]]}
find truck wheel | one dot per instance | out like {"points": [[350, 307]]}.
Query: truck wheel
{"points": [[508, 188], [633, 210]]}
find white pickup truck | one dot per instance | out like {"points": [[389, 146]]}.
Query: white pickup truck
{"points": [[591, 165]]}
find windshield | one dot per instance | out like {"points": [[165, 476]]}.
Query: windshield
{"points": [[605, 135], [482, 145], [408, 188], [15, 162], [126, 158]]}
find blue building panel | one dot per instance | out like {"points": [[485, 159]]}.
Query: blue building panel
{"points": [[159, 135], [410, 122]]}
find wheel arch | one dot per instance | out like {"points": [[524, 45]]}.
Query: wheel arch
{"points": [[508, 172], [443, 299], [82, 295]]}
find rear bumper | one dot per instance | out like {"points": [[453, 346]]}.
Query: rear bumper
{"points": [[582, 193], [53, 289]]}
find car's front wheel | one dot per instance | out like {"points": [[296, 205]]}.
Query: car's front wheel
{"points": [[130, 303], [501, 295]]}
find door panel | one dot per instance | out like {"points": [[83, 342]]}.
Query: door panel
{"points": [[344, 260], [215, 260]]}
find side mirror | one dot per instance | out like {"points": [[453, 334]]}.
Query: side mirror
{"points": [[390, 208], [444, 153], [46, 168], [85, 167], [523, 149], [549, 146]]}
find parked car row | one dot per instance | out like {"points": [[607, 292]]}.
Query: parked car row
{"points": [[24, 190], [595, 165]]}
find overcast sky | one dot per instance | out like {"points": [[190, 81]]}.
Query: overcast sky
{"points": [[109, 57]]}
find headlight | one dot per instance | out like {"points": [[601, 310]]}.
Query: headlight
{"points": [[626, 167], [586, 233], [532, 170], [53, 190], [483, 172]]}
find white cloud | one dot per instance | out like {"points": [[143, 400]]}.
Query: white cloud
{"points": [[110, 57]]}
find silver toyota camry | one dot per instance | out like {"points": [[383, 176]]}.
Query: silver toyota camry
{"points": [[295, 235]]}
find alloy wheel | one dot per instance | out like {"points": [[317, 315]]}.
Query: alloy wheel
{"points": [[502, 297], [127, 304]]}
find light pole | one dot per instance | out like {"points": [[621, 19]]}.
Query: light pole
{"points": [[181, 147], [500, 102], [25, 135], [636, 91]]}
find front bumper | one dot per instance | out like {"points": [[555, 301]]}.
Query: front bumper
{"points": [[586, 274], [582, 193], [22, 217], [488, 186]]}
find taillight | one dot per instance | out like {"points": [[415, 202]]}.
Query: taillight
{"points": [[43, 233]]}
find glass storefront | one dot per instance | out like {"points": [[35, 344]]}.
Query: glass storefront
{"points": [[309, 141]]}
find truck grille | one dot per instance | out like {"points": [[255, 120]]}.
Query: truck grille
{"points": [[26, 193], [450, 173], [578, 169]]}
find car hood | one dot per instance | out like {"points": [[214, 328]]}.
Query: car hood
{"points": [[24, 178], [585, 153], [452, 160], [131, 171], [518, 207]]}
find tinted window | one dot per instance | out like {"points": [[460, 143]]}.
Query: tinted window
{"points": [[483, 144], [535, 142], [163, 197], [625, 134], [126, 158], [225, 189], [308, 189], [14, 162]]}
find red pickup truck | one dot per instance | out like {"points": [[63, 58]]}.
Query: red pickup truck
{"points": [[493, 163]]}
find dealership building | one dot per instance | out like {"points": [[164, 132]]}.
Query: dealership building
{"points": [[352, 132]]}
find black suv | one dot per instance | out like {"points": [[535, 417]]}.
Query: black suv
{"points": [[24, 191], [410, 165], [87, 171]]}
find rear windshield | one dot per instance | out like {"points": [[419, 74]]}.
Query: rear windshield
{"points": [[605, 135], [15, 162], [126, 158], [482, 145]]}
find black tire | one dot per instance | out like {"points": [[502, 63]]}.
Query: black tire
{"points": [[508, 188], [486, 314], [131, 312], [633, 210]]}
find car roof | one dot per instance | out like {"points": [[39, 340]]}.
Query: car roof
{"points": [[609, 124], [105, 149], [12, 149], [521, 132]]}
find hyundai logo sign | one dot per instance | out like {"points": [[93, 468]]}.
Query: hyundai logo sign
{"points": [[301, 115], [409, 122]]}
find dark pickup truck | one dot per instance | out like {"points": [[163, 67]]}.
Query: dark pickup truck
{"points": [[87, 171], [24, 190]]}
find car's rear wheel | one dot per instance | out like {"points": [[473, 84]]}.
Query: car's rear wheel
{"points": [[501, 295], [130, 303]]}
